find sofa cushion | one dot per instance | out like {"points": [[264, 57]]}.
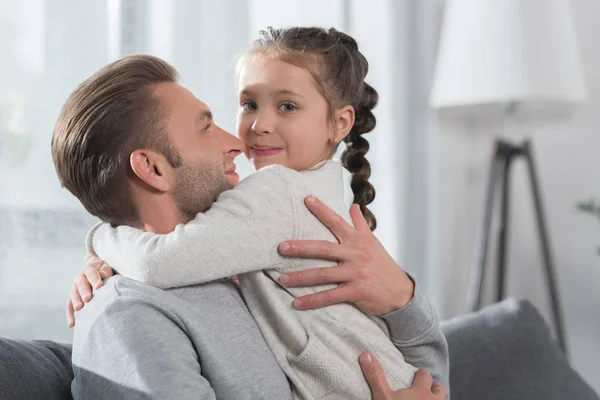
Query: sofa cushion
{"points": [[505, 351], [36, 369]]}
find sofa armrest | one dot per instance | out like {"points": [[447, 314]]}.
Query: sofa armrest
{"points": [[36, 369], [505, 352]]}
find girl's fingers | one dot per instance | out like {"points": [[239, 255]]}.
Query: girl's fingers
{"points": [[76, 301], [70, 313], [94, 279], [106, 271], [84, 288]]}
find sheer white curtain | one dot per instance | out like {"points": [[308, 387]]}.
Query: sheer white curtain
{"points": [[48, 47]]}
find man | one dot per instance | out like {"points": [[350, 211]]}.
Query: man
{"points": [[137, 148]]}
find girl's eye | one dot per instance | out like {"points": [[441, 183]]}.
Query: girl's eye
{"points": [[287, 107], [248, 106]]}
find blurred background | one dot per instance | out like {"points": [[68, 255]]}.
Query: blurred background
{"points": [[430, 168]]}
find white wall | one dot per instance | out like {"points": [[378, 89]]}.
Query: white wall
{"points": [[200, 38], [568, 163]]}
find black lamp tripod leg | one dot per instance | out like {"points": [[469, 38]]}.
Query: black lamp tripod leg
{"points": [[545, 242], [478, 277], [503, 234]]}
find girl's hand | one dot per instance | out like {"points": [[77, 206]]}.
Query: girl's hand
{"points": [[367, 275], [91, 275]]}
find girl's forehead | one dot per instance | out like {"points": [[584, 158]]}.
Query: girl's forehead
{"points": [[260, 72]]}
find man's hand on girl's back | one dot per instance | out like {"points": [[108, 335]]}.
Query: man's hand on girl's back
{"points": [[423, 387]]}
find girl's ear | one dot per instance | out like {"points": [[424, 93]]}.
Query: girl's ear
{"points": [[344, 121], [153, 169]]}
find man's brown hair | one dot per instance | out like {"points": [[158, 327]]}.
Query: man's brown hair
{"points": [[106, 118]]}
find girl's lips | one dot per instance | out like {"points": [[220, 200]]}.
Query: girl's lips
{"points": [[263, 151]]}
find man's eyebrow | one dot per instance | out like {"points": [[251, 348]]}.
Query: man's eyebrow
{"points": [[204, 115]]}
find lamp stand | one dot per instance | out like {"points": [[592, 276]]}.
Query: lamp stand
{"points": [[504, 154]]}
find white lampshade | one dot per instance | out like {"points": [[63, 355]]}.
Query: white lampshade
{"points": [[494, 52]]}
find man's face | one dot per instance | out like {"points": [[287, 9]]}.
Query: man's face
{"points": [[207, 152]]}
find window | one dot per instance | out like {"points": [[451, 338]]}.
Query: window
{"points": [[49, 47]]}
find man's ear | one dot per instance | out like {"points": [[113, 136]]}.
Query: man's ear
{"points": [[344, 121], [153, 169]]}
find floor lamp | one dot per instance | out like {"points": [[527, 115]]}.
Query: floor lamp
{"points": [[517, 60]]}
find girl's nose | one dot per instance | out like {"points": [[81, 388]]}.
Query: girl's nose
{"points": [[263, 124]]}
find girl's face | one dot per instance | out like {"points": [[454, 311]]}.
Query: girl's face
{"points": [[282, 117]]}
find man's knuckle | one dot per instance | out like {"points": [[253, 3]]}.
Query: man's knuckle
{"points": [[300, 248], [329, 296], [361, 291], [363, 273], [324, 274], [89, 270], [374, 373], [362, 254], [298, 277], [93, 261]]}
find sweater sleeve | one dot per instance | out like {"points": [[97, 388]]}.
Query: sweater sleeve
{"points": [[132, 350], [240, 233], [416, 332]]}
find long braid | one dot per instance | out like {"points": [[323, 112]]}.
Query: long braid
{"points": [[353, 157]]}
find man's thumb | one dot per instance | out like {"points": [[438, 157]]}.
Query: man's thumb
{"points": [[374, 375]]}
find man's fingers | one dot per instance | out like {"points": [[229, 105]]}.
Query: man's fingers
{"points": [[70, 313], [374, 375], [321, 249], [316, 276], [332, 296], [422, 379], [439, 391], [336, 224], [358, 219]]}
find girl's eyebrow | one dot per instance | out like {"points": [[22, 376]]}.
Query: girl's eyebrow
{"points": [[289, 92]]}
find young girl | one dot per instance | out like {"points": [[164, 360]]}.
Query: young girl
{"points": [[301, 92]]}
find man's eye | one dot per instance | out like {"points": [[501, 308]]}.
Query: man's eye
{"points": [[287, 107]]}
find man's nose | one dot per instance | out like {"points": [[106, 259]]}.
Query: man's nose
{"points": [[231, 145], [263, 124]]}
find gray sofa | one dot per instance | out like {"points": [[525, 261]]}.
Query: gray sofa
{"points": [[502, 352]]}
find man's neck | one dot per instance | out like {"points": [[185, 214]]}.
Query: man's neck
{"points": [[157, 213]]}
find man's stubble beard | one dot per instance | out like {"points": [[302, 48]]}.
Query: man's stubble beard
{"points": [[198, 186]]}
